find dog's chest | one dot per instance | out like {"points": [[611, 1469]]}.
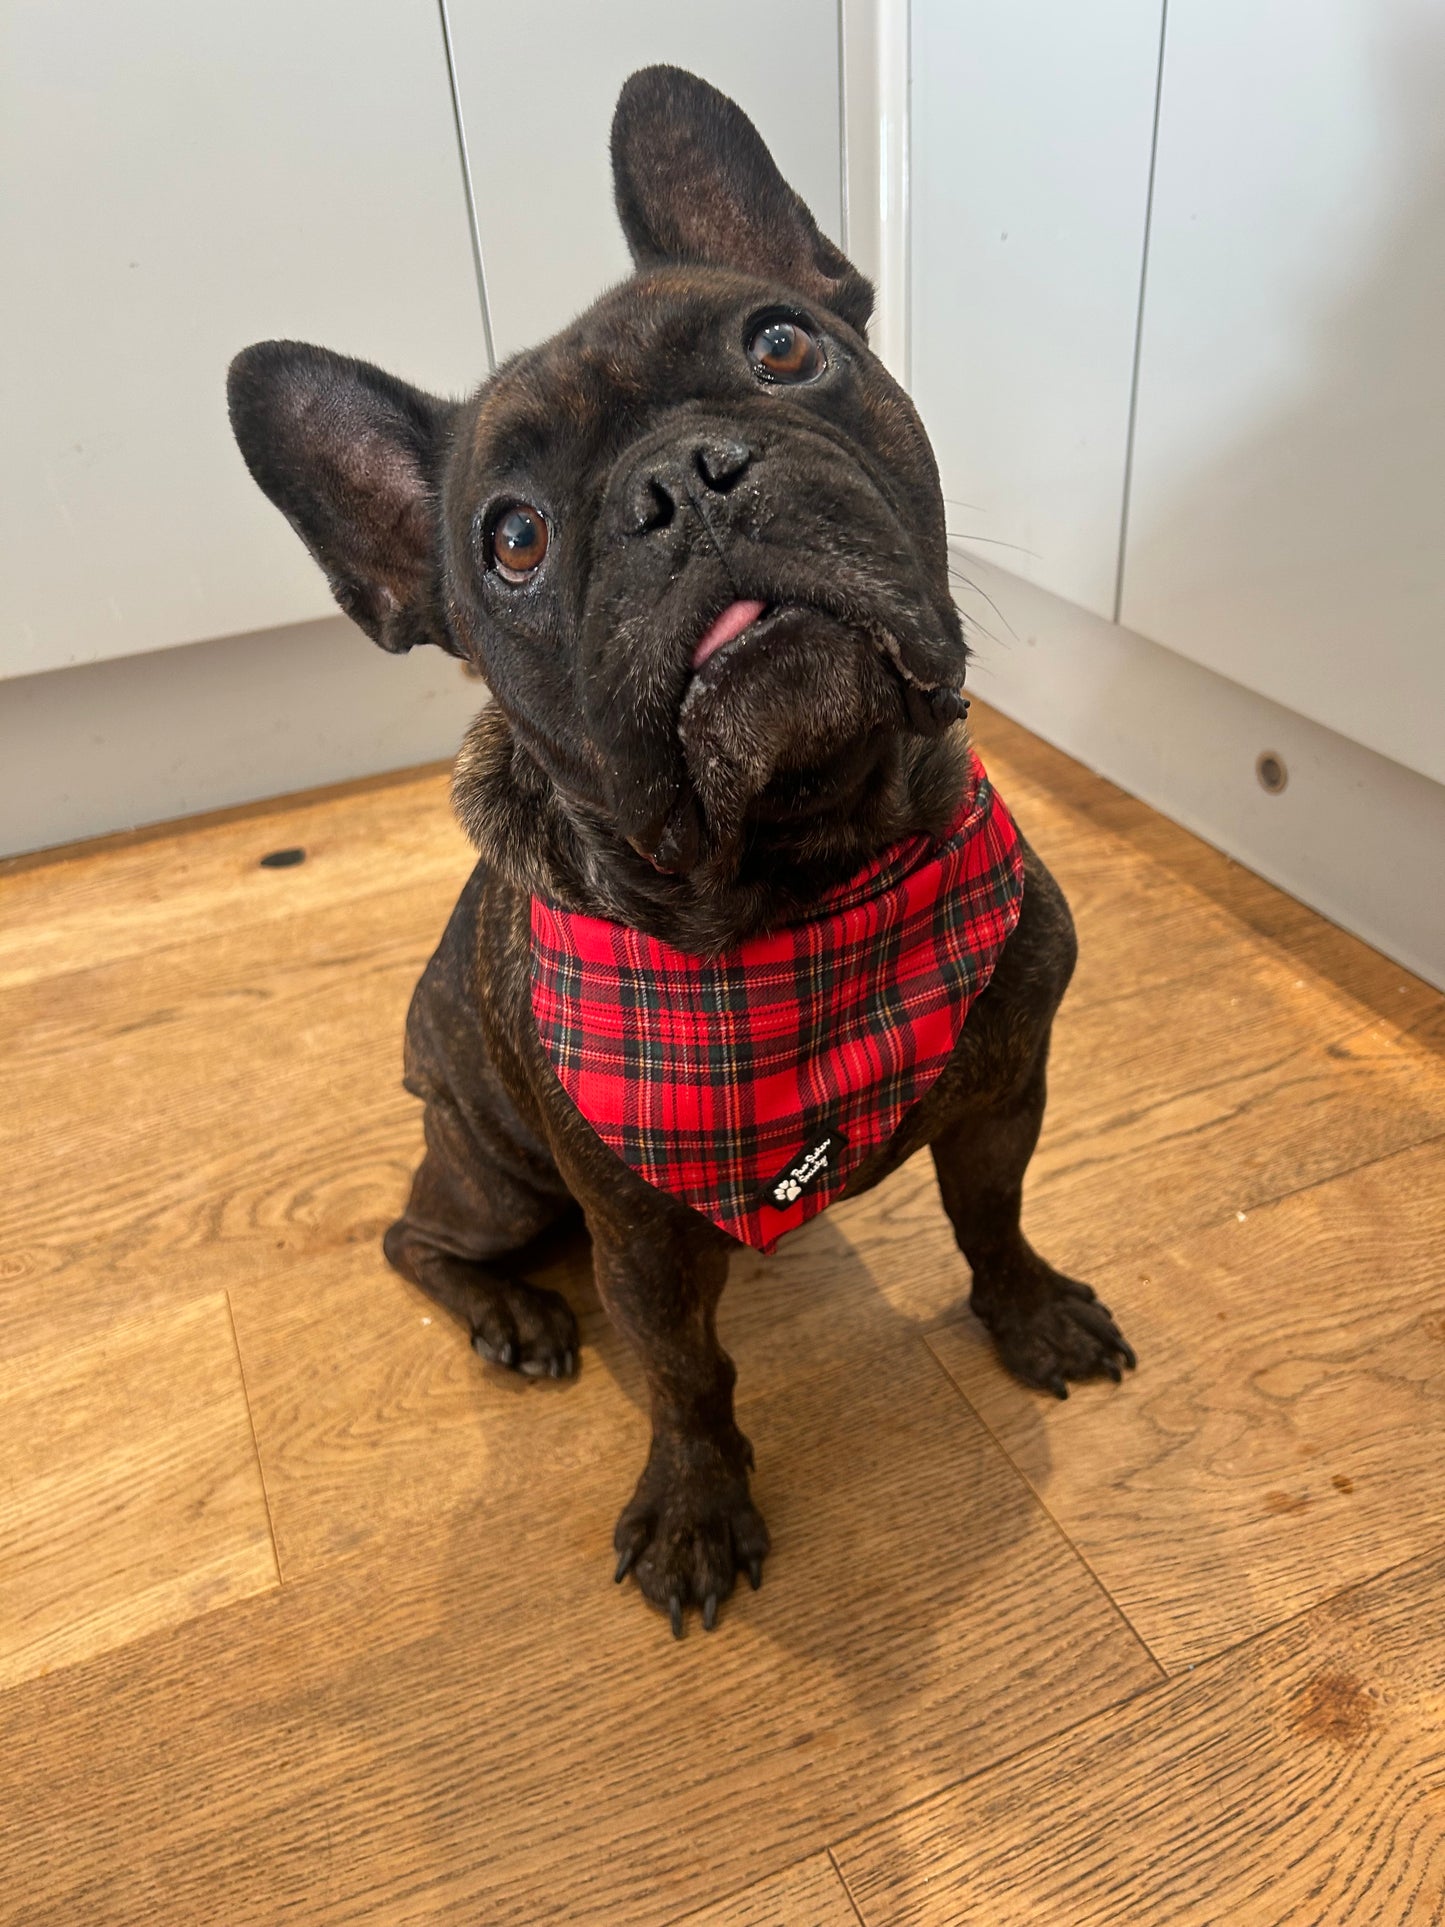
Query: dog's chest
{"points": [[753, 1085]]}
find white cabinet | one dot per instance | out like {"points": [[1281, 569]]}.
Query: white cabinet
{"points": [[537, 90], [1030, 139], [1287, 511], [180, 180]]}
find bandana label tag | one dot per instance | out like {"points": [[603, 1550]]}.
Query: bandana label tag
{"points": [[806, 1171]]}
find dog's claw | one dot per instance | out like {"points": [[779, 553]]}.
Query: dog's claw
{"points": [[674, 1613], [755, 1573], [709, 1612], [1113, 1370], [624, 1565], [1058, 1385]]}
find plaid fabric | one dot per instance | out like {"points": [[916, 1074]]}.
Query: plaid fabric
{"points": [[753, 1084]]}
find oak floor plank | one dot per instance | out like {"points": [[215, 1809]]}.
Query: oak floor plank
{"points": [[209, 1110], [445, 1712], [130, 1497], [478, 1726], [1294, 1782], [1285, 1432], [1160, 1124], [1077, 818], [808, 1895], [100, 903]]}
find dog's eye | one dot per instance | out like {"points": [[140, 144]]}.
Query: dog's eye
{"points": [[519, 541], [783, 350]]}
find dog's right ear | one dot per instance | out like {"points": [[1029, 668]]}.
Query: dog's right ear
{"points": [[695, 182], [353, 459]]}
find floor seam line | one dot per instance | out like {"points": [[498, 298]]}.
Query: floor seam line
{"points": [[1049, 1514], [255, 1441], [843, 1883]]}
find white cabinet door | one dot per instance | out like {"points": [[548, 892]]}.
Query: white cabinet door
{"points": [[1031, 129], [180, 179], [538, 87], [1287, 513]]}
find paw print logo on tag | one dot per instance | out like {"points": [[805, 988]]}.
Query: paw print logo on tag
{"points": [[807, 1171]]}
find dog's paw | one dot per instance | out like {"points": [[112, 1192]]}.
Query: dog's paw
{"points": [[1054, 1332], [687, 1532], [526, 1328]]}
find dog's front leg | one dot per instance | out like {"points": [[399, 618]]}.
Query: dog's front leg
{"points": [[1048, 1328], [690, 1527]]}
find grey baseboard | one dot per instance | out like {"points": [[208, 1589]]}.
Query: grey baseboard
{"points": [[143, 739], [1356, 836]]}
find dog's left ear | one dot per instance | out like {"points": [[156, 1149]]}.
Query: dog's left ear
{"points": [[694, 182], [352, 457]]}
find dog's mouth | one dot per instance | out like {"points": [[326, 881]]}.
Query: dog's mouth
{"points": [[731, 626], [748, 622]]}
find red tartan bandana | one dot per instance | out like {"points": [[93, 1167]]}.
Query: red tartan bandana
{"points": [[752, 1085]]}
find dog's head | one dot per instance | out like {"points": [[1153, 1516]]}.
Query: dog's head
{"points": [[694, 542]]}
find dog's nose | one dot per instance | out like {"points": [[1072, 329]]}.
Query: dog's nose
{"points": [[721, 461], [711, 466]]}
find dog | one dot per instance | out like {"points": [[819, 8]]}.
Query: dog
{"points": [[725, 804]]}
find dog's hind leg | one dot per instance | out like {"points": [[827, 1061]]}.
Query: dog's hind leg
{"points": [[1048, 1328], [488, 1184], [469, 1211]]}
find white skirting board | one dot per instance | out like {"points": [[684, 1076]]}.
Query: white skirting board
{"points": [[141, 739], [1356, 836]]}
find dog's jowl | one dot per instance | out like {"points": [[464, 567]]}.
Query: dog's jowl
{"points": [[749, 925]]}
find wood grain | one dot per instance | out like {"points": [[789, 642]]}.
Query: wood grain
{"points": [[808, 1895], [445, 1712], [208, 1109], [479, 1726], [102, 903], [1167, 1115], [1285, 1432], [131, 1498], [1296, 1782]]}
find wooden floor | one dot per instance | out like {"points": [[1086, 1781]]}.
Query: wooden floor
{"points": [[306, 1616]]}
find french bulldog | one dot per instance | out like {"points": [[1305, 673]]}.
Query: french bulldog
{"points": [[695, 546]]}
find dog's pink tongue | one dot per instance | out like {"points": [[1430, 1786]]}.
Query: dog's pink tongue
{"points": [[733, 620]]}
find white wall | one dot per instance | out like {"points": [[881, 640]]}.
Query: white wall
{"points": [[179, 180], [1252, 381], [537, 131], [1287, 507], [114, 745], [1355, 835], [1032, 122]]}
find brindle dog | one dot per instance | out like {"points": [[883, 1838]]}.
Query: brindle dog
{"points": [[713, 430]]}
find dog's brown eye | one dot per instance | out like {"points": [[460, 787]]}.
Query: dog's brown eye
{"points": [[519, 541], [782, 350]]}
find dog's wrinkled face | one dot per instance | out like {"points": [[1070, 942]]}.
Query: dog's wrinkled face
{"points": [[695, 542]]}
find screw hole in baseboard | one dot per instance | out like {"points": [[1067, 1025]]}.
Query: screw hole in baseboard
{"points": [[1269, 767]]}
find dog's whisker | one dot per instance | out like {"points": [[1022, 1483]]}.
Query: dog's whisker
{"points": [[994, 541], [973, 588]]}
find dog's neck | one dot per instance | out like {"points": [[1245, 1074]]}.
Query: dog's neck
{"points": [[551, 846]]}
